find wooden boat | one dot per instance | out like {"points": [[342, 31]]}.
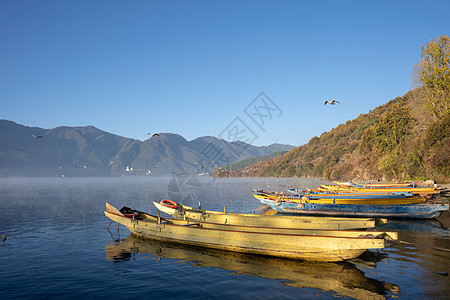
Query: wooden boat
{"points": [[184, 212], [351, 194], [318, 245], [295, 193], [425, 190], [335, 198], [415, 211], [375, 184]]}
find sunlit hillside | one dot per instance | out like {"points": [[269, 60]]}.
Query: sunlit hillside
{"points": [[397, 140]]}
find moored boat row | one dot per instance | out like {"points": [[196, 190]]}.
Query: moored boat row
{"points": [[375, 184], [410, 211], [307, 244], [343, 200], [346, 188], [320, 230]]}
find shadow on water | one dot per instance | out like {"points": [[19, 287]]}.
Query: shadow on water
{"points": [[343, 278], [425, 226]]}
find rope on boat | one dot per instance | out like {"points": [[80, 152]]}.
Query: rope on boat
{"points": [[107, 227]]}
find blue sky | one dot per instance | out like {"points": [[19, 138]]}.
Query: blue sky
{"points": [[193, 67]]}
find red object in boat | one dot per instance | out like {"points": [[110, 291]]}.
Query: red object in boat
{"points": [[169, 203]]}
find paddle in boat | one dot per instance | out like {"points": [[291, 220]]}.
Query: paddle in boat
{"points": [[317, 245]]}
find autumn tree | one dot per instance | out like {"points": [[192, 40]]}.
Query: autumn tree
{"points": [[392, 130], [433, 72]]}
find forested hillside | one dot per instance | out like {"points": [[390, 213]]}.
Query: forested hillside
{"points": [[408, 137], [396, 140]]}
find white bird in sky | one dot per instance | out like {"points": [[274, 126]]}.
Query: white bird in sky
{"points": [[332, 102]]}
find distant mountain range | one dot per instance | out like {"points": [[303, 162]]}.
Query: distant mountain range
{"points": [[88, 151]]}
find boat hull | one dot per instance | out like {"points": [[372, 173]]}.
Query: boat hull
{"points": [[374, 184], [232, 238], [301, 222], [415, 211], [415, 191], [336, 199]]}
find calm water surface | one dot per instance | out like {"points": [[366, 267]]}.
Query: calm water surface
{"points": [[57, 246]]}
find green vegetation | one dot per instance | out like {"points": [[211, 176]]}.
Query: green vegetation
{"points": [[433, 73], [408, 137], [393, 128]]}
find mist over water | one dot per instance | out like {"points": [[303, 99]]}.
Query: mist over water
{"points": [[57, 245]]}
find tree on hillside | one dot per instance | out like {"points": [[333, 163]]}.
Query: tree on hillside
{"points": [[433, 72], [392, 129]]}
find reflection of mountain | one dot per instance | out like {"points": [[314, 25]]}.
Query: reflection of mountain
{"points": [[342, 278]]}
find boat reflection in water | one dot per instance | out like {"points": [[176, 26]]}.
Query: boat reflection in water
{"points": [[343, 278], [426, 226]]}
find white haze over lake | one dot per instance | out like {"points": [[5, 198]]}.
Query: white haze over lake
{"points": [[85, 196]]}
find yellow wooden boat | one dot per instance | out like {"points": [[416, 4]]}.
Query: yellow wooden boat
{"points": [[428, 190], [374, 184], [318, 245], [341, 198], [373, 201], [184, 212]]}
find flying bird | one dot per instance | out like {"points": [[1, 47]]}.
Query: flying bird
{"points": [[332, 102], [155, 134], [37, 136]]}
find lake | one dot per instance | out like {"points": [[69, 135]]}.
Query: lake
{"points": [[58, 246]]}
